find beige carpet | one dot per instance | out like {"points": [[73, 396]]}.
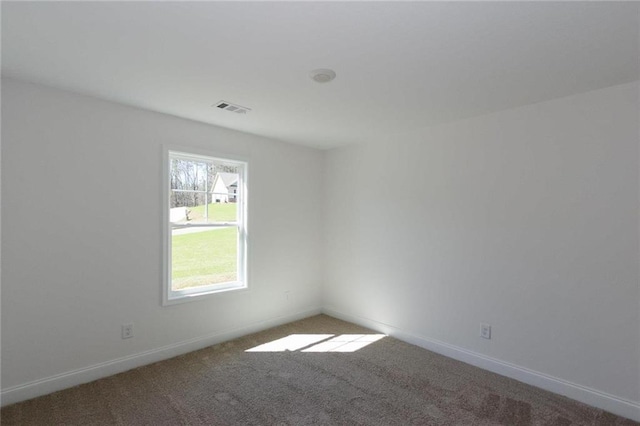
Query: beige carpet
{"points": [[341, 378]]}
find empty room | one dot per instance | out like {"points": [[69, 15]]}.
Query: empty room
{"points": [[336, 213]]}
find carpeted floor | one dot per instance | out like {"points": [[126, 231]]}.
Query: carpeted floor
{"points": [[333, 373]]}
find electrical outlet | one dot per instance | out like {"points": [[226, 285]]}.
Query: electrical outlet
{"points": [[485, 331], [127, 331]]}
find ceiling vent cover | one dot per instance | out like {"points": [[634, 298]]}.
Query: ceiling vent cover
{"points": [[228, 106]]}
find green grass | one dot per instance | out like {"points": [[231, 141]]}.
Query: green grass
{"points": [[218, 212], [201, 258]]}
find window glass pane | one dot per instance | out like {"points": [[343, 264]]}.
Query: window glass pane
{"points": [[219, 167], [198, 208], [216, 168], [188, 174], [225, 187], [203, 256], [180, 198]]}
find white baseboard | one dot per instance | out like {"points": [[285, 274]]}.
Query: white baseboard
{"points": [[595, 398], [84, 375]]}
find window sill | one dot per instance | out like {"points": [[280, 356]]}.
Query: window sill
{"points": [[185, 298]]}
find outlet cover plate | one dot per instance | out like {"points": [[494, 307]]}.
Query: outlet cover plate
{"points": [[485, 331], [127, 331]]}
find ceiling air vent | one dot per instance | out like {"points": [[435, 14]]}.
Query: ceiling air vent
{"points": [[232, 107]]}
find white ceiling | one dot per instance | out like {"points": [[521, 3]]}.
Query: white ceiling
{"points": [[400, 66]]}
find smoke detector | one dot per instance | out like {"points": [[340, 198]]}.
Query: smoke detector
{"points": [[228, 106], [322, 75]]}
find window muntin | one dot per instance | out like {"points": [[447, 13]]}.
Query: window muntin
{"points": [[205, 226]]}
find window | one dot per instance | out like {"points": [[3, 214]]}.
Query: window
{"points": [[205, 225]]}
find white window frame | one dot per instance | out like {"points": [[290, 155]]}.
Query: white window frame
{"points": [[169, 296]]}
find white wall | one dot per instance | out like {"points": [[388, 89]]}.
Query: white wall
{"points": [[525, 219], [73, 270]]}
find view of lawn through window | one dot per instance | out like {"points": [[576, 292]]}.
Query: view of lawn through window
{"points": [[205, 222]]}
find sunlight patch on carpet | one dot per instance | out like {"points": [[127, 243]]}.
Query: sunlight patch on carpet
{"points": [[345, 343], [319, 343]]}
